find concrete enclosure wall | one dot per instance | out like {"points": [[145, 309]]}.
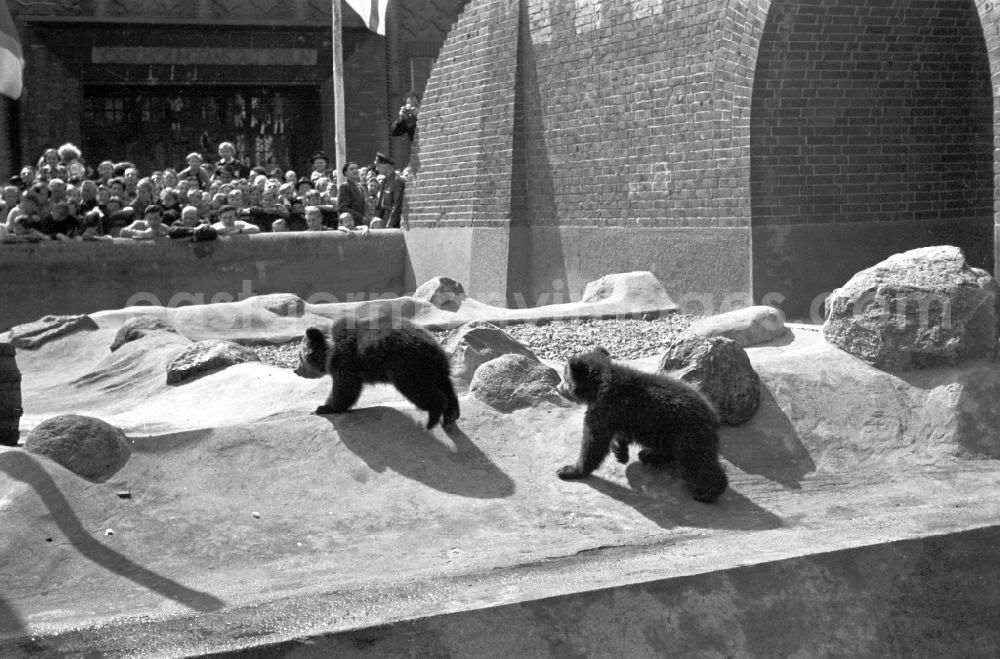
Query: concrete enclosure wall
{"points": [[720, 115], [57, 278]]}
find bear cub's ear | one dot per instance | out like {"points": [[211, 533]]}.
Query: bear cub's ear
{"points": [[316, 337], [579, 368]]}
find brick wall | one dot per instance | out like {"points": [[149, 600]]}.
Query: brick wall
{"points": [[868, 111], [466, 122], [618, 119], [648, 113], [418, 29]]}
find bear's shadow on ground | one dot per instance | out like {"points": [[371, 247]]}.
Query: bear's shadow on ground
{"points": [[386, 438], [768, 445], [657, 493]]}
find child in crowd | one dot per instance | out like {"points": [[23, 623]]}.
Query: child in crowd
{"points": [[149, 227], [228, 224], [24, 229]]}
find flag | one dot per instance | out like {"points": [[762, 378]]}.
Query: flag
{"points": [[11, 56], [372, 12]]}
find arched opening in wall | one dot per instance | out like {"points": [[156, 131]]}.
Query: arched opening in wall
{"points": [[871, 133]]}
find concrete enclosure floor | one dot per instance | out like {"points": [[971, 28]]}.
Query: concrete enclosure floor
{"points": [[251, 521]]}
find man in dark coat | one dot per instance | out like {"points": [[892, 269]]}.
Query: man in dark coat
{"points": [[351, 198], [389, 207]]}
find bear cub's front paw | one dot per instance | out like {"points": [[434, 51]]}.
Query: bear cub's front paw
{"points": [[569, 473]]}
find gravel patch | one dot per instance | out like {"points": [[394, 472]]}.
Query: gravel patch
{"points": [[556, 340]]}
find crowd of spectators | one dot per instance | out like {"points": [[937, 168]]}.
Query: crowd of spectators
{"points": [[63, 198]]}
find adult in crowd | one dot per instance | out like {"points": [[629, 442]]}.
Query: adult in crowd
{"points": [[406, 122], [389, 208], [229, 224], [351, 197], [268, 211], [192, 227], [149, 227], [194, 172]]}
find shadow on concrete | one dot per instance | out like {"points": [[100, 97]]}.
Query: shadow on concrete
{"points": [[780, 341], [974, 413], [386, 438], [22, 467], [768, 445], [14, 638], [658, 494], [536, 264]]}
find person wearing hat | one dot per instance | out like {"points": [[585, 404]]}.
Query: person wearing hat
{"points": [[320, 166], [351, 198], [302, 186], [389, 207]]}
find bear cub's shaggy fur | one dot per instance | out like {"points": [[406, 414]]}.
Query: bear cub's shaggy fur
{"points": [[673, 422], [380, 349]]}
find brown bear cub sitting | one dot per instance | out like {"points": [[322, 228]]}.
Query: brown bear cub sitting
{"points": [[380, 349], [673, 422]]}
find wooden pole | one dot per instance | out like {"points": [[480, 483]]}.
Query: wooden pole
{"points": [[338, 92]]}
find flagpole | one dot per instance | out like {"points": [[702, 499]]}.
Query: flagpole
{"points": [[338, 92]]}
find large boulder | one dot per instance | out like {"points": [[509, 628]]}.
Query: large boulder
{"points": [[443, 292], [921, 308], [138, 327], [514, 382], [476, 343], [32, 335], [88, 447], [720, 369], [641, 289], [205, 356], [748, 326]]}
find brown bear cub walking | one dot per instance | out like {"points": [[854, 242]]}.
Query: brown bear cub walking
{"points": [[380, 349], [673, 422]]}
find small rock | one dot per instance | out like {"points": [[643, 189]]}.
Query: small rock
{"points": [[720, 369], [32, 335], [443, 292], [88, 447], [138, 327], [124, 494], [205, 356], [513, 382], [747, 327], [476, 343], [255, 515], [109, 532]]}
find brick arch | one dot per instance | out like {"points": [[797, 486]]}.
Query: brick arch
{"points": [[871, 132]]}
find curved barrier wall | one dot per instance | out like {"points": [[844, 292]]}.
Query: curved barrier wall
{"points": [[73, 278]]}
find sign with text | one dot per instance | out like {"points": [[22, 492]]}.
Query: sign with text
{"points": [[214, 56]]}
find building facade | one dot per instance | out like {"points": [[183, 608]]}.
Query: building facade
{"points": [[149, 81], [739, 149]]}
